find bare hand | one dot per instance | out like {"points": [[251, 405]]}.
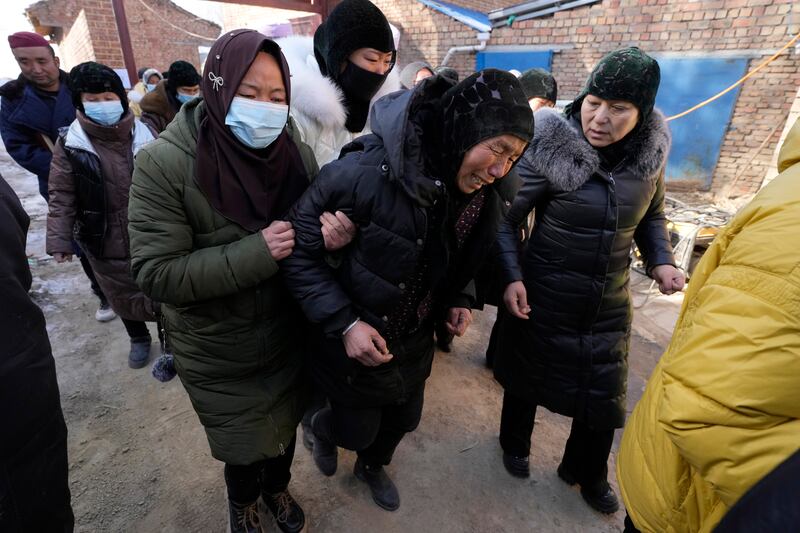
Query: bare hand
{"points": [[516, 299], [458, 320], [337, 230], [364, 344], [279, 237], [670, 279], [62, 258]]}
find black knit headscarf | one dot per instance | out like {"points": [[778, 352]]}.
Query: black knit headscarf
{"points": [[538, 83], [626, 74], [182, 74], [484, 105], [353, 24], [91, 77]]}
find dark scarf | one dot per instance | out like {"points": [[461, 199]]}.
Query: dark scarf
{"points": [[250, 187], [353, 24]]}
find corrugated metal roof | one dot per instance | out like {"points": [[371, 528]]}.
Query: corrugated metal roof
{"points": [[474, 19]]}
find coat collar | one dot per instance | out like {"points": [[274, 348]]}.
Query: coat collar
{"points": [[76, 138], [560, 152]]}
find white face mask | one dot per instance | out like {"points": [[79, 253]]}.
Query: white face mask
{"points": [[256, 124]]}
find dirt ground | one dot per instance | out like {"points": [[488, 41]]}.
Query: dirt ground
{"points": [[139, 460]]}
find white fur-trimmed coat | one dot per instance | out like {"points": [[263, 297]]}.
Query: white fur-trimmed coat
{"points": [[317, 102]]}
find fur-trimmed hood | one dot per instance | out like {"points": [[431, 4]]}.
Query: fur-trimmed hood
{"points": [[561, 153], [315, 95]]}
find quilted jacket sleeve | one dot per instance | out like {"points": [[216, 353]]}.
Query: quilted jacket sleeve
{"points": [[306, 272], [62, 207], [731, 397], [534, 187], [164, 261], [651, 234]]}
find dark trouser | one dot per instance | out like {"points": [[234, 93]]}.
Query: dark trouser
{"points": [[137, 329], [269, 476], [87, 269], [629, 527], [494, 337], [585, 455], [317, 402], [373, 432]]}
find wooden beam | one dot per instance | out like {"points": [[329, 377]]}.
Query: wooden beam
{"points": [[118, 6], [314, 6]]}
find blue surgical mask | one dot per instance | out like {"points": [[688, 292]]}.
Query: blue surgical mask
{"points": [[256, 124], [150, 87], [183, 98], [105, 113]]}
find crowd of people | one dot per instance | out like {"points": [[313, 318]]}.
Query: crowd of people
{"points": [[304, 224]]}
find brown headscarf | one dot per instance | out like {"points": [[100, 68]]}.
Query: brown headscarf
{"points": [[249, 186]]}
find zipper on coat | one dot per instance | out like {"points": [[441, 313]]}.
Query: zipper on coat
{"points": [[281, 447]]}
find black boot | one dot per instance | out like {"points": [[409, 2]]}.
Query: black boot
{"points": [[384, 491], [517, 466], [600, 496], [286, 511], [324, 452], [243, 517]]}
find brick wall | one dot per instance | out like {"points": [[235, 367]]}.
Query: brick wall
{"points": [[86, 30], [700, 27], [76, 47]]}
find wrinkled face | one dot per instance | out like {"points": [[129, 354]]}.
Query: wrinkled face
{"points": [[537, 103], [605, 122], [38, 65], [190, 90], [487, 161], [371, 60], [263, 81], [421, 75], [153, 79], [99, 97]]}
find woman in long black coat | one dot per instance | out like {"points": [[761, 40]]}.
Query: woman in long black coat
{"points": [[595, 177], [427, 190]]}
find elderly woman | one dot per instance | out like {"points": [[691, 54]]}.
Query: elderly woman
{"points": [[595, 176], [90, 177], [426, 190], [207, 204]]}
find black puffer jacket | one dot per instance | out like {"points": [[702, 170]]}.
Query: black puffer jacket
{"points": [[381, 183], [571, 355]]}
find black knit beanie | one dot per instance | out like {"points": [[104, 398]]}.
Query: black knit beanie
{"points": [[626, 74], [91, 77], [447, 72], [538, 83], [486, 104], [182, 74], [352, 24]]}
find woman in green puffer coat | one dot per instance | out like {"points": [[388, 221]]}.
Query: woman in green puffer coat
{"points": [[206, 209]]}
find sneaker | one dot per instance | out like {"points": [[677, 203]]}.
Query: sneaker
{"points": [[288, 514], [243, 518], [325, 453], [104, 313], [517, 466], [140, 352], [600, 497], [384, 492]]}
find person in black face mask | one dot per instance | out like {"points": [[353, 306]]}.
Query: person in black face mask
{"points": [[355, 53], [336, 76]]}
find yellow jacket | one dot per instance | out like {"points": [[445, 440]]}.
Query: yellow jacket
{"points": [[722, 408]]}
